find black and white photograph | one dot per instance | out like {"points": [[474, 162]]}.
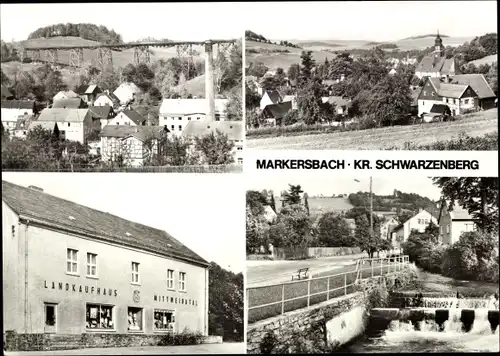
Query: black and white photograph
{"points": [[93, 267], [131, 87], [372, 264], [372, 75]]}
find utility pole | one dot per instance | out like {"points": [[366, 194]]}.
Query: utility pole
{"points": [[209, 81], [371, 214]]}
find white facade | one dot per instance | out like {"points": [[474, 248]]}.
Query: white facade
{"points": [[73, 127], [121, 119], [103, 100], [418, 222], [265, 101], [126, 92]]}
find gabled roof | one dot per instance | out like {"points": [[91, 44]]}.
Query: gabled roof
{"points": [[134, 116], [6, 93], [18, 104], [440, 109], [101, 112], [233, 129], [92, 89], [337, 100], [289, 98], [277, 111], [142, 133], [55, 212], [68, 93], [128, 86], [46, 125], [477, 82], [452, 90], [432, 64], [63, 115], [172, 107], [110, 96], [273, 95], [71, 103]]}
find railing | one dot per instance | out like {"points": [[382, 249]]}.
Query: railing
{"points": [[272, 300]]}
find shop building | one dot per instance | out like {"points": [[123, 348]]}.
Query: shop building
{"points": [[72, 270]]}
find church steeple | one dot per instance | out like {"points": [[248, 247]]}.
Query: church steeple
{"points": [[438, 46]]}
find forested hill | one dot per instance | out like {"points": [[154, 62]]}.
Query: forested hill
{"points": [[87, 31], [397, 201]]}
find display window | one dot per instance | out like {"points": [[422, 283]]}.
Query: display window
{"points": [[135, 319], [164, 320], [99, 316]]}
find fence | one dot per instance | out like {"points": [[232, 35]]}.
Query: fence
{"points": [[232, 168], [272, 300]]}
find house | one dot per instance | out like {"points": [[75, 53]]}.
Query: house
{"points": [[128, 117], [130, 145], [90, 270], [452, 223], [253, 83], [418, 222], [292, 99], [270, 97], [387, 228], [437, 65], [11, 110], [73, 124], [273, 114], [6, 94], [88, 93], [107, 99], [65, 94], [234, 131], [22, 126], [439, 112], [393, 71], [71, 103], [478, 83], [460, 98], [341, 104], [176, 114], [103, 113], [126, 92]]}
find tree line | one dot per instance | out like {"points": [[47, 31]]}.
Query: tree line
{"points": [[86, 31]]}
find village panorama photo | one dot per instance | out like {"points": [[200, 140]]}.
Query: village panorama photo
{"points": [[372, 264], [386, 75], [97, 94]]}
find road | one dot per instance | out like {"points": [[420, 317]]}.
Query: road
{"points": [[261, 273], [225, 348]]}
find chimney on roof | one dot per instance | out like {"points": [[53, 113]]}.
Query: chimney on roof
{"points": [[35, 188]]}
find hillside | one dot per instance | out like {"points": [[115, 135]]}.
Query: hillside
{"points": [[195, 86], [321, 205], [430, 35], [486, 60]]}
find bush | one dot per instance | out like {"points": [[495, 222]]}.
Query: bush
{"points": [[462, 142], [186, 337]]}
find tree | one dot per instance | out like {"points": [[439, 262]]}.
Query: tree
{"points": [[306, 68], [257, 69], [293, 72], [216, 148], [234, 108], [370, 242], [334, 231], [404, 216], [256, 201], [4, 79], [273, 203], [306, 204], [295, 227], [310, 106], [174, 150], [252, 98], [292, 197], [478, 195], [129, 73]]}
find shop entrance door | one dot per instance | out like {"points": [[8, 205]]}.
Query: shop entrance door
{"points": [[50, 318]]}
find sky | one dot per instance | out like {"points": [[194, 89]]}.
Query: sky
{"points": [[203, 211], [342, 184], [352, 20]]}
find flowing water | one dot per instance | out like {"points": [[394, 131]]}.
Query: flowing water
{"points": [[461, 303], [428, 336]]}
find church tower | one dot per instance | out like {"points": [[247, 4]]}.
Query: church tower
{"points": [[438, 46]]}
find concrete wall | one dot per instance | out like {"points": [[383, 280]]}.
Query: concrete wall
{"points": [[312, 252]]}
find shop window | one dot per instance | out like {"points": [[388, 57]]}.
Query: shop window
{"points": [[182, 281], [134, 319], [99, 316], [72, 261], [170, 279], [91, 264], [164, 320], [135, 272]]}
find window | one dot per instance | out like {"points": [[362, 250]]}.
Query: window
{"points": [[173, 127], [425, 92], [198, 118], [180, 127], [99, 316], [135, 272], [170, 279], [69, 124], [217, 117], [189, 118], [240, 160], [91, 264], [469, 227], [180, 118], [164, 320], [134, 319], [432, 93], [466, 101], [448, 228], [50, 315], [182, 281], [72, 261]]}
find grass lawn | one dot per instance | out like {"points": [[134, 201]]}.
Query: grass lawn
{"points": [[336, 283], [474, 125]]}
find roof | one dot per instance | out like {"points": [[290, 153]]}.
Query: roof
{"points": [[329, 82], [92, 89], [289, 98], [63, 115], [273, 95], [190, 106], [459, 213], [452, 90], [233, 129], [100, 111], [55, 212], [277, 111], [440, 109], [134, 116], [435, 64], [337, 100], [18, 104], [128, 86], [477, 82], [23, 123], [110, 96], [6, 93], [71, 103], [46, 125], [81, 89], [142, 133], [68, 93]]}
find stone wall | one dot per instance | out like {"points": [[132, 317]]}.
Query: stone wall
{"points": [[323, 326], [49, 342]]}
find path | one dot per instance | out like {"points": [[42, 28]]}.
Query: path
{"points": [[225, 348]]}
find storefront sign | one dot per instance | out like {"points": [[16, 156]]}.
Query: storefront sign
{"points": [[174, 300], [80, 288]]}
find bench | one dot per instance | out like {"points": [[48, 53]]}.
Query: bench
{"points": [[301, 274]]}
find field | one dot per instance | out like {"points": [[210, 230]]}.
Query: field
{"points": [[485, 60], [397, 137]]}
